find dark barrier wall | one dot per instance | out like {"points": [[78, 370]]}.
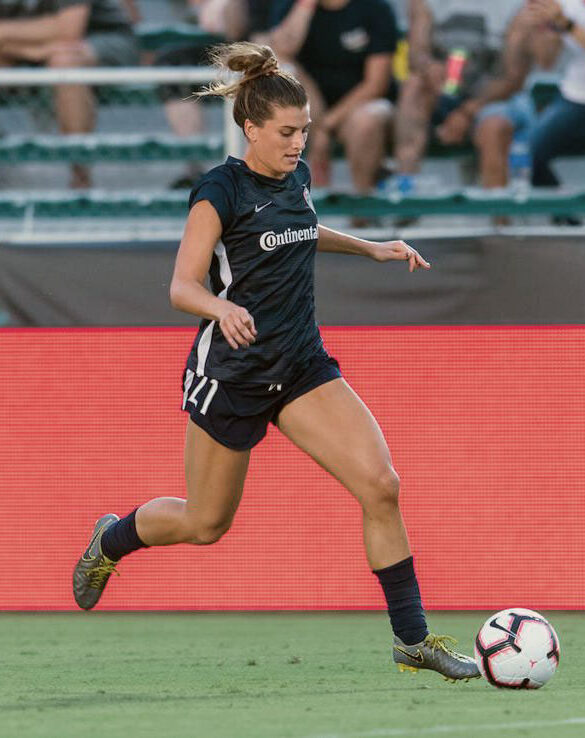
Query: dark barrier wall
{"points": [[505, 281], [486, 428]]}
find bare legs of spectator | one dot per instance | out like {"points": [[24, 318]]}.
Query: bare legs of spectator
{"points": [[418, 98], [185, 118], [493, 138], [319, 153], [364, 135], [74, 103]]}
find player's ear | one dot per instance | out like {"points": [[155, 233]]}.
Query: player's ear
{"points": [[250, 131]]}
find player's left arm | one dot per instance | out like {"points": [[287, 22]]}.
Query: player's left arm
{"points": [[342, 243]]}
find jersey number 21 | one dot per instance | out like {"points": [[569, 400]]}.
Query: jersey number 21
{"points": [[211, 390]]}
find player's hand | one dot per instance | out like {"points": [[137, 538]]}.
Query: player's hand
{"points": [[237, 326], [454, 128], [399, 250]]}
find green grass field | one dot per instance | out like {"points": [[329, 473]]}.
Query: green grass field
{"points": [[266, 675]]}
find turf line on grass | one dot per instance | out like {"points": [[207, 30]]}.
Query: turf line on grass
{"points": [[442, 729]]}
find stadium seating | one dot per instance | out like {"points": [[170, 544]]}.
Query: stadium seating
{"points": [[130, 147], [169, 204], [92, 148], [154, 36]]}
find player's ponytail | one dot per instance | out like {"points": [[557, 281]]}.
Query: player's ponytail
{"points": [[263, 83]]}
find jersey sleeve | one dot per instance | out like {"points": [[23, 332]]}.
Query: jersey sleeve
{"points": [[218, 188], [383, 28]]}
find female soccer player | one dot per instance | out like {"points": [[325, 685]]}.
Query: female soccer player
{"points": [[259, 358]]}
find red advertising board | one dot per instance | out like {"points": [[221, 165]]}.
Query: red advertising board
{"points": [[486, 428]]}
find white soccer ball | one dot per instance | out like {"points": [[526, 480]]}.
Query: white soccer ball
{"points": [[517, 649]]}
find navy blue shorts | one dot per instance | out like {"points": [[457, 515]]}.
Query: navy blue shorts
{"points": [[237, 415]]}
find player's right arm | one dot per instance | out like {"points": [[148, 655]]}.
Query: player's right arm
{"points": [[188, 293]]}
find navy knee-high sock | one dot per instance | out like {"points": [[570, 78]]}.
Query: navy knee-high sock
{"points": [[121, 538], [400, 586]]}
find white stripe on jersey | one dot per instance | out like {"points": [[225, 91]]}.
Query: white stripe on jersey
{"points": [[225, 274]]}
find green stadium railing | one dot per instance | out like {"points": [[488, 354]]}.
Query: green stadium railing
{"points": [[170, 204], [19, 87], [155, 36], [20, 84], [91, 148]]}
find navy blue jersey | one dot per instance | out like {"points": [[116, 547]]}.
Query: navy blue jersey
{"points": [[265, 263]]}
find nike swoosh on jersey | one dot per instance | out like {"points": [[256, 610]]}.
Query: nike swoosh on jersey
{"points": [[258, 208]]}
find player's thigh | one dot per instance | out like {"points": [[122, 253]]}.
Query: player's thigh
{"points": [[215, 476], [334, 426]]}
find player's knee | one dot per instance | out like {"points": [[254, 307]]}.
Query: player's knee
{"points": [[384, 490], [206, 532]]}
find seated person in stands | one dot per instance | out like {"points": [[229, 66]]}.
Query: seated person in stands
{"points": [[342, 51], [561, 128], [537, 34], [234, 20], [455, 48], [497, 111], [67, 33]]}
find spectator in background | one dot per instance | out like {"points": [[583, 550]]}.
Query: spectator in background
{"points": [[259, 19], [342, 51], [537, 34], [223, 17], [561, 128], [455, 47], [499, 111], [132, 10], [67, 33], [233, 20]]}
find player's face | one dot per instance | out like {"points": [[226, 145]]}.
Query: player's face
{"points": [[279, 142]]}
